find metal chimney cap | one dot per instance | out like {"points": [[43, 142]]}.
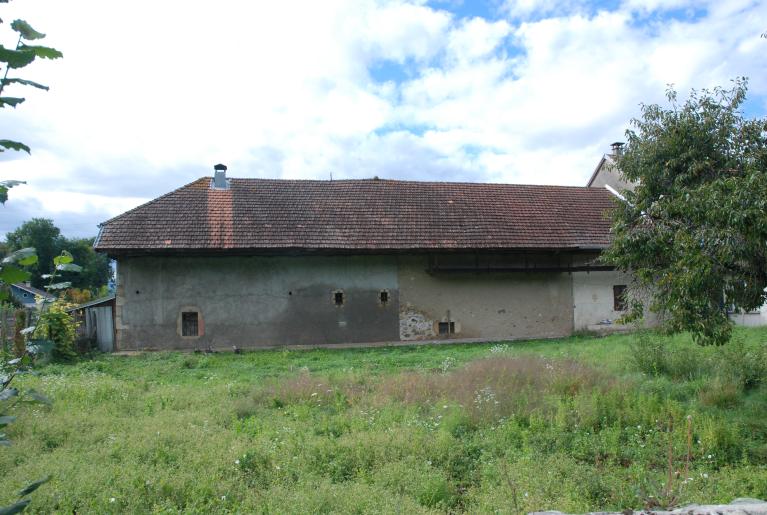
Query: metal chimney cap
{"points": [[219, 167]]}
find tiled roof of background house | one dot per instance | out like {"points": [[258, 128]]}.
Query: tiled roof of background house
{"points": [[361, 215]]}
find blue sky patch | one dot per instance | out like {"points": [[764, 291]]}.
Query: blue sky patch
{"points": [[389, 71]]}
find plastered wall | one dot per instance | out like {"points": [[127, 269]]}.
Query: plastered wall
{"points": [[492, 306], [255, 301], [268, 301], [593, 297]]}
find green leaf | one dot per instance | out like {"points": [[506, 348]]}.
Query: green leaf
{"points": [[10, 101], [8, 393], [39, 346], [24, 257], [69, 267], [5, 186], [25, 82], [39, 397], [59, 286], [15, 508], [10, 183], [13, 145], [16, 58], [31, 487], [43, 52], [62, 259], [11, 275], [4, 421], [26, 30]]}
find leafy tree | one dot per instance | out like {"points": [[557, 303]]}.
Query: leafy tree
{"points": [[43, 235], [694, 231], [96, 271], [22, 55], [45, 238]]}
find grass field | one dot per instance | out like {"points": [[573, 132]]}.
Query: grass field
{"points": [[574, 425]]}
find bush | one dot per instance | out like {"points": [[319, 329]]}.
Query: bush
{"points": [[656, 356], [744, 365], [59, 326]]}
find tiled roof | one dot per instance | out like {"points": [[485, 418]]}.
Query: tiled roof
{"points": [[361, 215]]}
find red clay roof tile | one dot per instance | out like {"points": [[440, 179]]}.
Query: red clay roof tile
{"points": [[362, 215]]}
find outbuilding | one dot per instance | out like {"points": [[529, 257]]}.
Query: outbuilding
{"points": [[227, 262]]}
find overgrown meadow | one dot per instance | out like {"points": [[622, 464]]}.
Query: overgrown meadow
{"points": [[574, 425]]}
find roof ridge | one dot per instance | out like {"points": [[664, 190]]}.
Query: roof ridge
{"points": [[409, 181]]}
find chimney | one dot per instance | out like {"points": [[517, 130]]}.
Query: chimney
{"points": [[617, 149], [219, 177]]}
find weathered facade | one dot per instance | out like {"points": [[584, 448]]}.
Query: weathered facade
{"points": [[264, 263], [268, 301]]}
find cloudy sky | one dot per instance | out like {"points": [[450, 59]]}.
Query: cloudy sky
{"points": [[151, 94]]}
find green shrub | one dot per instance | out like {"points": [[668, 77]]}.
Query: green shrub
{"points": [[59, 326], [655, 355], [648, 354], [744, 364]]}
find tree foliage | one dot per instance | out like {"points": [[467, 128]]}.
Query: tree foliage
{"points": [[23, 54], [46, 238], [694, 231]]}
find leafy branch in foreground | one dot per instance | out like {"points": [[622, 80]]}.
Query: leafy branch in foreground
{"points": [[694, 231], [56, 324], [23, 54]]}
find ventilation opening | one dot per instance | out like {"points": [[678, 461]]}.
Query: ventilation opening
{"points": [[619, 298], [446, 327], [190, 324], [383, 297], [338, 298]]}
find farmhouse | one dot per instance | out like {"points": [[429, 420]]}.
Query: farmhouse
{"points": [[259, 262], [27, 295]]}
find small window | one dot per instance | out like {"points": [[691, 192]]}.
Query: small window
{"points": [[446, 327], [619, 298], [189, 324], [338, 298], [383, 297]]}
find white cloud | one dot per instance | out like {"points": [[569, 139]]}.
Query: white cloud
{"points": [[150, 95]]}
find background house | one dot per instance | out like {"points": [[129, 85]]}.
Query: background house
{"points": [[25, 294]]}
